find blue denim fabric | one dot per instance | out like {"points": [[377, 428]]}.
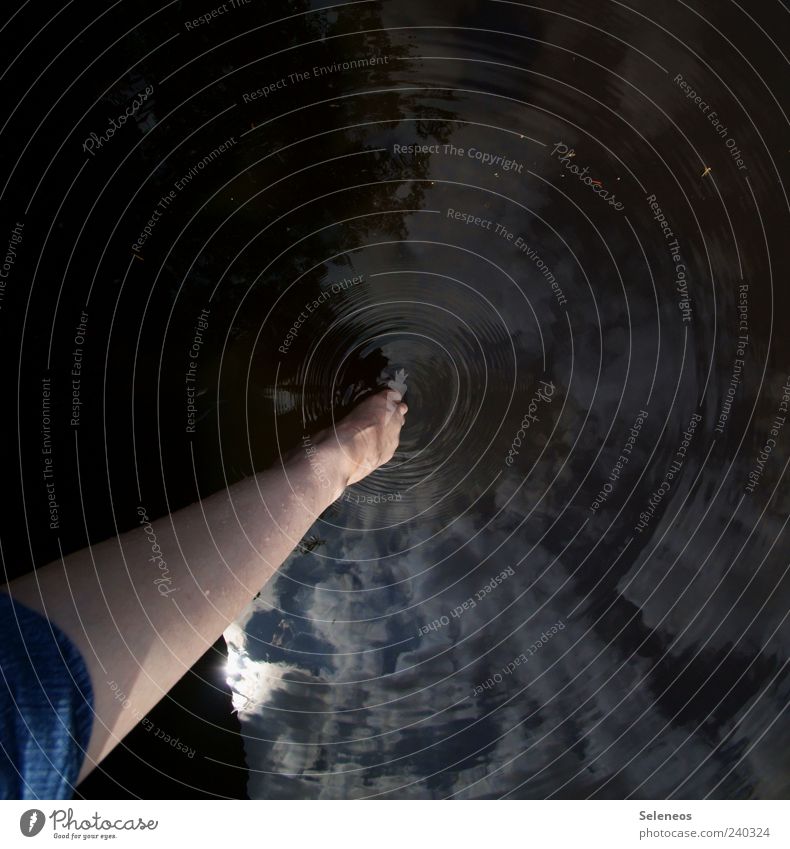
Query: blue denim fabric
{"points": [[46, 706]]}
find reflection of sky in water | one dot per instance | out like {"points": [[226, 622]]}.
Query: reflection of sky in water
{"points": [[352, 675], [664, 677]]}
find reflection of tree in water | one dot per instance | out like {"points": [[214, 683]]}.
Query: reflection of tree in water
{"points": [[393, 187]]}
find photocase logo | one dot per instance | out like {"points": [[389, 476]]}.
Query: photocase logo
{"points": [[31, 822]]}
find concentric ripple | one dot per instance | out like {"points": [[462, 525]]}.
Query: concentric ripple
{"points": [[560, 230]]}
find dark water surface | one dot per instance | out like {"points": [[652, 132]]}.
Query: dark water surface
{"points": [[571, 580]]}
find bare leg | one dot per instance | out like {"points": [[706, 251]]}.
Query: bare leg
{"points": [[219, 552]]}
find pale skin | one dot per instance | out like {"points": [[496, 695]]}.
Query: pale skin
{"points": [[219, 552]]}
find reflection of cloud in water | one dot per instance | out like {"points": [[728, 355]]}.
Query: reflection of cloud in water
{"points": [[340, 697], [381, 710], [662, 680]]}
